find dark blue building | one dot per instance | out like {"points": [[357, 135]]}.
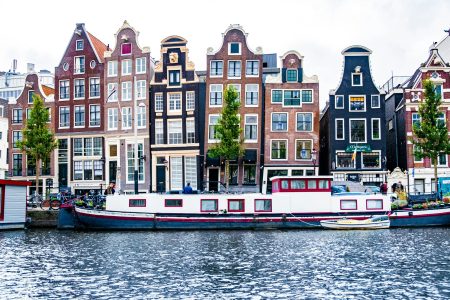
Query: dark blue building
{"points": [[351, 126]]}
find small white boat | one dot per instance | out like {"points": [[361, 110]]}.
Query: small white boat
{"points": [[379, 222]]}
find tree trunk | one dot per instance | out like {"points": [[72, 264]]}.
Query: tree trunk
{"points": [[227, 174], [435, 174], [38, 161]]}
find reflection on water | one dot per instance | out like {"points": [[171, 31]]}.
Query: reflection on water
{"points": [[394, 264]]}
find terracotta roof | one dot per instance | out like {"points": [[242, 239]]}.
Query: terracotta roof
{"points": [[99, 47], [48, 90]]}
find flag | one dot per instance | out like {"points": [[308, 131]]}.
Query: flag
{"points": [[354, 155]]}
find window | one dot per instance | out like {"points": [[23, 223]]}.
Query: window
{"points": [[216, 68], [79, 65], [438, 90], [251, 127], [173, 203], [252, 68], [251, 94], [190, 100], [126, 117], [141, 65], [112, 92], [324, 184], [112, 68], [263, 205], [249, 174], [77, 170], [234, 69], [236, 205], [348, 205], [291, 75], [126, 91], [159, 103], [234, 174], [291, 98], [137, 203], [344, 160], [442, 159], [304, 121], [64, 89], [176, 170], [357, 131], [159, 132], [175, 131], [215, 94], [88, 170], [174, 77], [94, 115], [298, 184], [277, 96], [130, 162], [113, 118], [340, 130], [125, 48], [98, 170], [357, 103], [441, 120], [213, 121], [278, 149], [98, 145], [17, 164], [376, 129], [303, 149], [141, 116], [17, 136], [79, 116], [237, 87], [356, 79], [307, 96], [64, 117], [79, 88], [78, 147], [88, 147], [190, 166], [17, 116], [127, 66], [279, 121], [416, 157], [94, 87], [375, 101], [208, 205], [141, 89], [339, 102], [175, 102], [30, 97], [371, 160], [79, 45], [374, 204], [312, 184], [190, 131], [391, 124], [234, 48], [416, 120]]}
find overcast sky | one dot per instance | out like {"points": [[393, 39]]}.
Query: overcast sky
{"points": [[398, 32]]}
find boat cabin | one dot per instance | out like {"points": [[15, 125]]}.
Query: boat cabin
{"points": [[302, 184], [13, 204]]}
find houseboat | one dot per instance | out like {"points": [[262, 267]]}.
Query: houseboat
{"points": [[13, 204], [295, 202], [420, 218]]}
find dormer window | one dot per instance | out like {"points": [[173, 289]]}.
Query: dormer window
{"points": [[126, 49], [30, 96], [291, 75], [174, 77], [356, 79], [234, 48], [79, 45]]}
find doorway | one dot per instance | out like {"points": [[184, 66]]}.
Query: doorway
{"points": [[62, 175], [160, 179], [213, 179], [113, 171], [273, 173]]}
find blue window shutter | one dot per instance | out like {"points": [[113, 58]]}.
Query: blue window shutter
{"points": [[283, 75], [300, 75]]}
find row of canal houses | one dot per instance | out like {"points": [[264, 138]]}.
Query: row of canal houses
{"points": [[119, 113]]}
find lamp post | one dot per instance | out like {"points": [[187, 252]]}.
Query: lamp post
{"points": [[314, 159]]}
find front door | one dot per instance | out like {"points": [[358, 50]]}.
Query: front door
{"points": [[213, 179], [112, 171], [62, 175], [273, 173], [160, 179]]}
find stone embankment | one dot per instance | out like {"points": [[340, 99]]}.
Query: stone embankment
{"points": [[38, 218]]}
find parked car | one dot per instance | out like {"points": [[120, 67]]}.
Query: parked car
{"points": [[373, 189]]}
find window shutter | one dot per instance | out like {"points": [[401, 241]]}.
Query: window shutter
{"points": [[300, 75], [283, 75]]}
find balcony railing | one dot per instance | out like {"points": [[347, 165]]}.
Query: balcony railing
{"points": [[394, 82]]}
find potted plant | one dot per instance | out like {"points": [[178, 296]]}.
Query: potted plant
{"points": [[425, 206], [394, 206]]}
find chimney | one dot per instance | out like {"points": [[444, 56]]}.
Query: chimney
{"points": [[14, 67], [30, 67]]}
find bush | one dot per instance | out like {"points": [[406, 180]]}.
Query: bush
{"points": [[394, 206]]}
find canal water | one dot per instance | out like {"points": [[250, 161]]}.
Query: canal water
{"points": [[308, 264]]}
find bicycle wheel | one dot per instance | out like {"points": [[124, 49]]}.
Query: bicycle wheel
{"points": [[55, 204], [45, 204]]}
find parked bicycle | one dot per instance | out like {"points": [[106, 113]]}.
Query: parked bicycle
{"points": [[35, 200]]}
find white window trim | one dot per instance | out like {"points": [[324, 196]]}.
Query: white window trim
{"points": [[357, 111], [126, 161], [209, 124], [175, 68], [76, 45], [336, 159], [116, 93], [299, 95], [75, 65], [290, 81], [379, 101], [229, 48], [145, 114], [379, 160], [59, 117], [446, 161], [295, 149], [195, 132], [228, 67], [144, 95], [122, 68], [74, 89], [350, 130], [209, 95], [250, 76], [109, 124], [126, 54], [414, 157], [121, 91], [189, 92], [343, 104], [174, 111], [99, 83], [257, 124], [145, 64], [271, 96], [312, 121], [117, 68], [287, 121], [59, 90], [210, 68], [159, 94], [245, 96], [379, 127], [161, 121], [287, 150], [74, 116], [169, 121], [354, 73], [122, 117], [94, 126]]}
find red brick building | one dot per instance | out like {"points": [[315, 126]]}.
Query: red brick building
{"points": [[291, 127]]}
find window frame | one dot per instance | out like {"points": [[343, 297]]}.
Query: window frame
{"points": [[336, 101], [211, 75], [115, 68], [253, 85], [262, 210], [287, 121], [240, 48], [126, 67], [309, 157], [287, 151], [350, 101], [190, 100], [75, 116], [82, 68], [296, 121], [114, 116], [336, 131], [143, 65], [82, 45], [75, 80], [209, 127], [136, 199], [353, 81], [173, 206], [350, 130], [250, 124], [291, 70], [379, 128], [216, 203], [66, 88], [159, 101], [59, 117], [99, 88], [371, 101], [271, 96], [247, 69], [347, 201], [236, 75], [242, 207], [216, 92], [376, 208]]}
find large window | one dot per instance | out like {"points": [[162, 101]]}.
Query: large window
{"points": [[371, 160], [304, 121], [78, 147], [249, 174], [79, 116], [251, 127], [130, 162], [191, 171], [339, 102], [213, 121], [176, 170], [279, 121], [126, 118], [357, 103], [126, 91], [94, 87], [216, 68], [252, 68], [78, 170], [17, 136], [357, 131], [127, 67], [159, 132], [88, 169], [215, 94], [17, 164], [251, 94], [141, 89], [113, 118], [278, 149], [277, 96], [141, 65], [234, 69], [141, 116], [291, 75], [303, 149], [79, 88], [175, 102], [174, 77], [112, 92], [190, 100], [175, 131], [344, 160], [190, 131], [340, 130], [64, 117], [79, 65], [291, 98], [112, 68], [376, 129], [159, 102], [94, 115], [64, 89]]}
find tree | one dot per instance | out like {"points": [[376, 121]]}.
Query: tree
{"points": [[38, 141], [228, 132], [430, 136]]}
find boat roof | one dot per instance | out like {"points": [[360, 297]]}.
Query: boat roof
{"points": [[301, 177]]}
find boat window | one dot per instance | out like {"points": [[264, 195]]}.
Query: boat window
{"points": [[284, 184], [262, 205], [137, 203], [348, 205], [374, 204], [236, 205], [208, 205], [174, 203], [275, 186], [324, 184], [298, 184], [312, 184]]}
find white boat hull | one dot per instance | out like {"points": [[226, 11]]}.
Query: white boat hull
{"points": [[356, 225]]}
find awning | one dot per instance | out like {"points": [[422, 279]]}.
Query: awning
{"points": [[250, 155], [212, 161]]}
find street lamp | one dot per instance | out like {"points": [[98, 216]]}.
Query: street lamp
{"points": [[314, 159]]}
